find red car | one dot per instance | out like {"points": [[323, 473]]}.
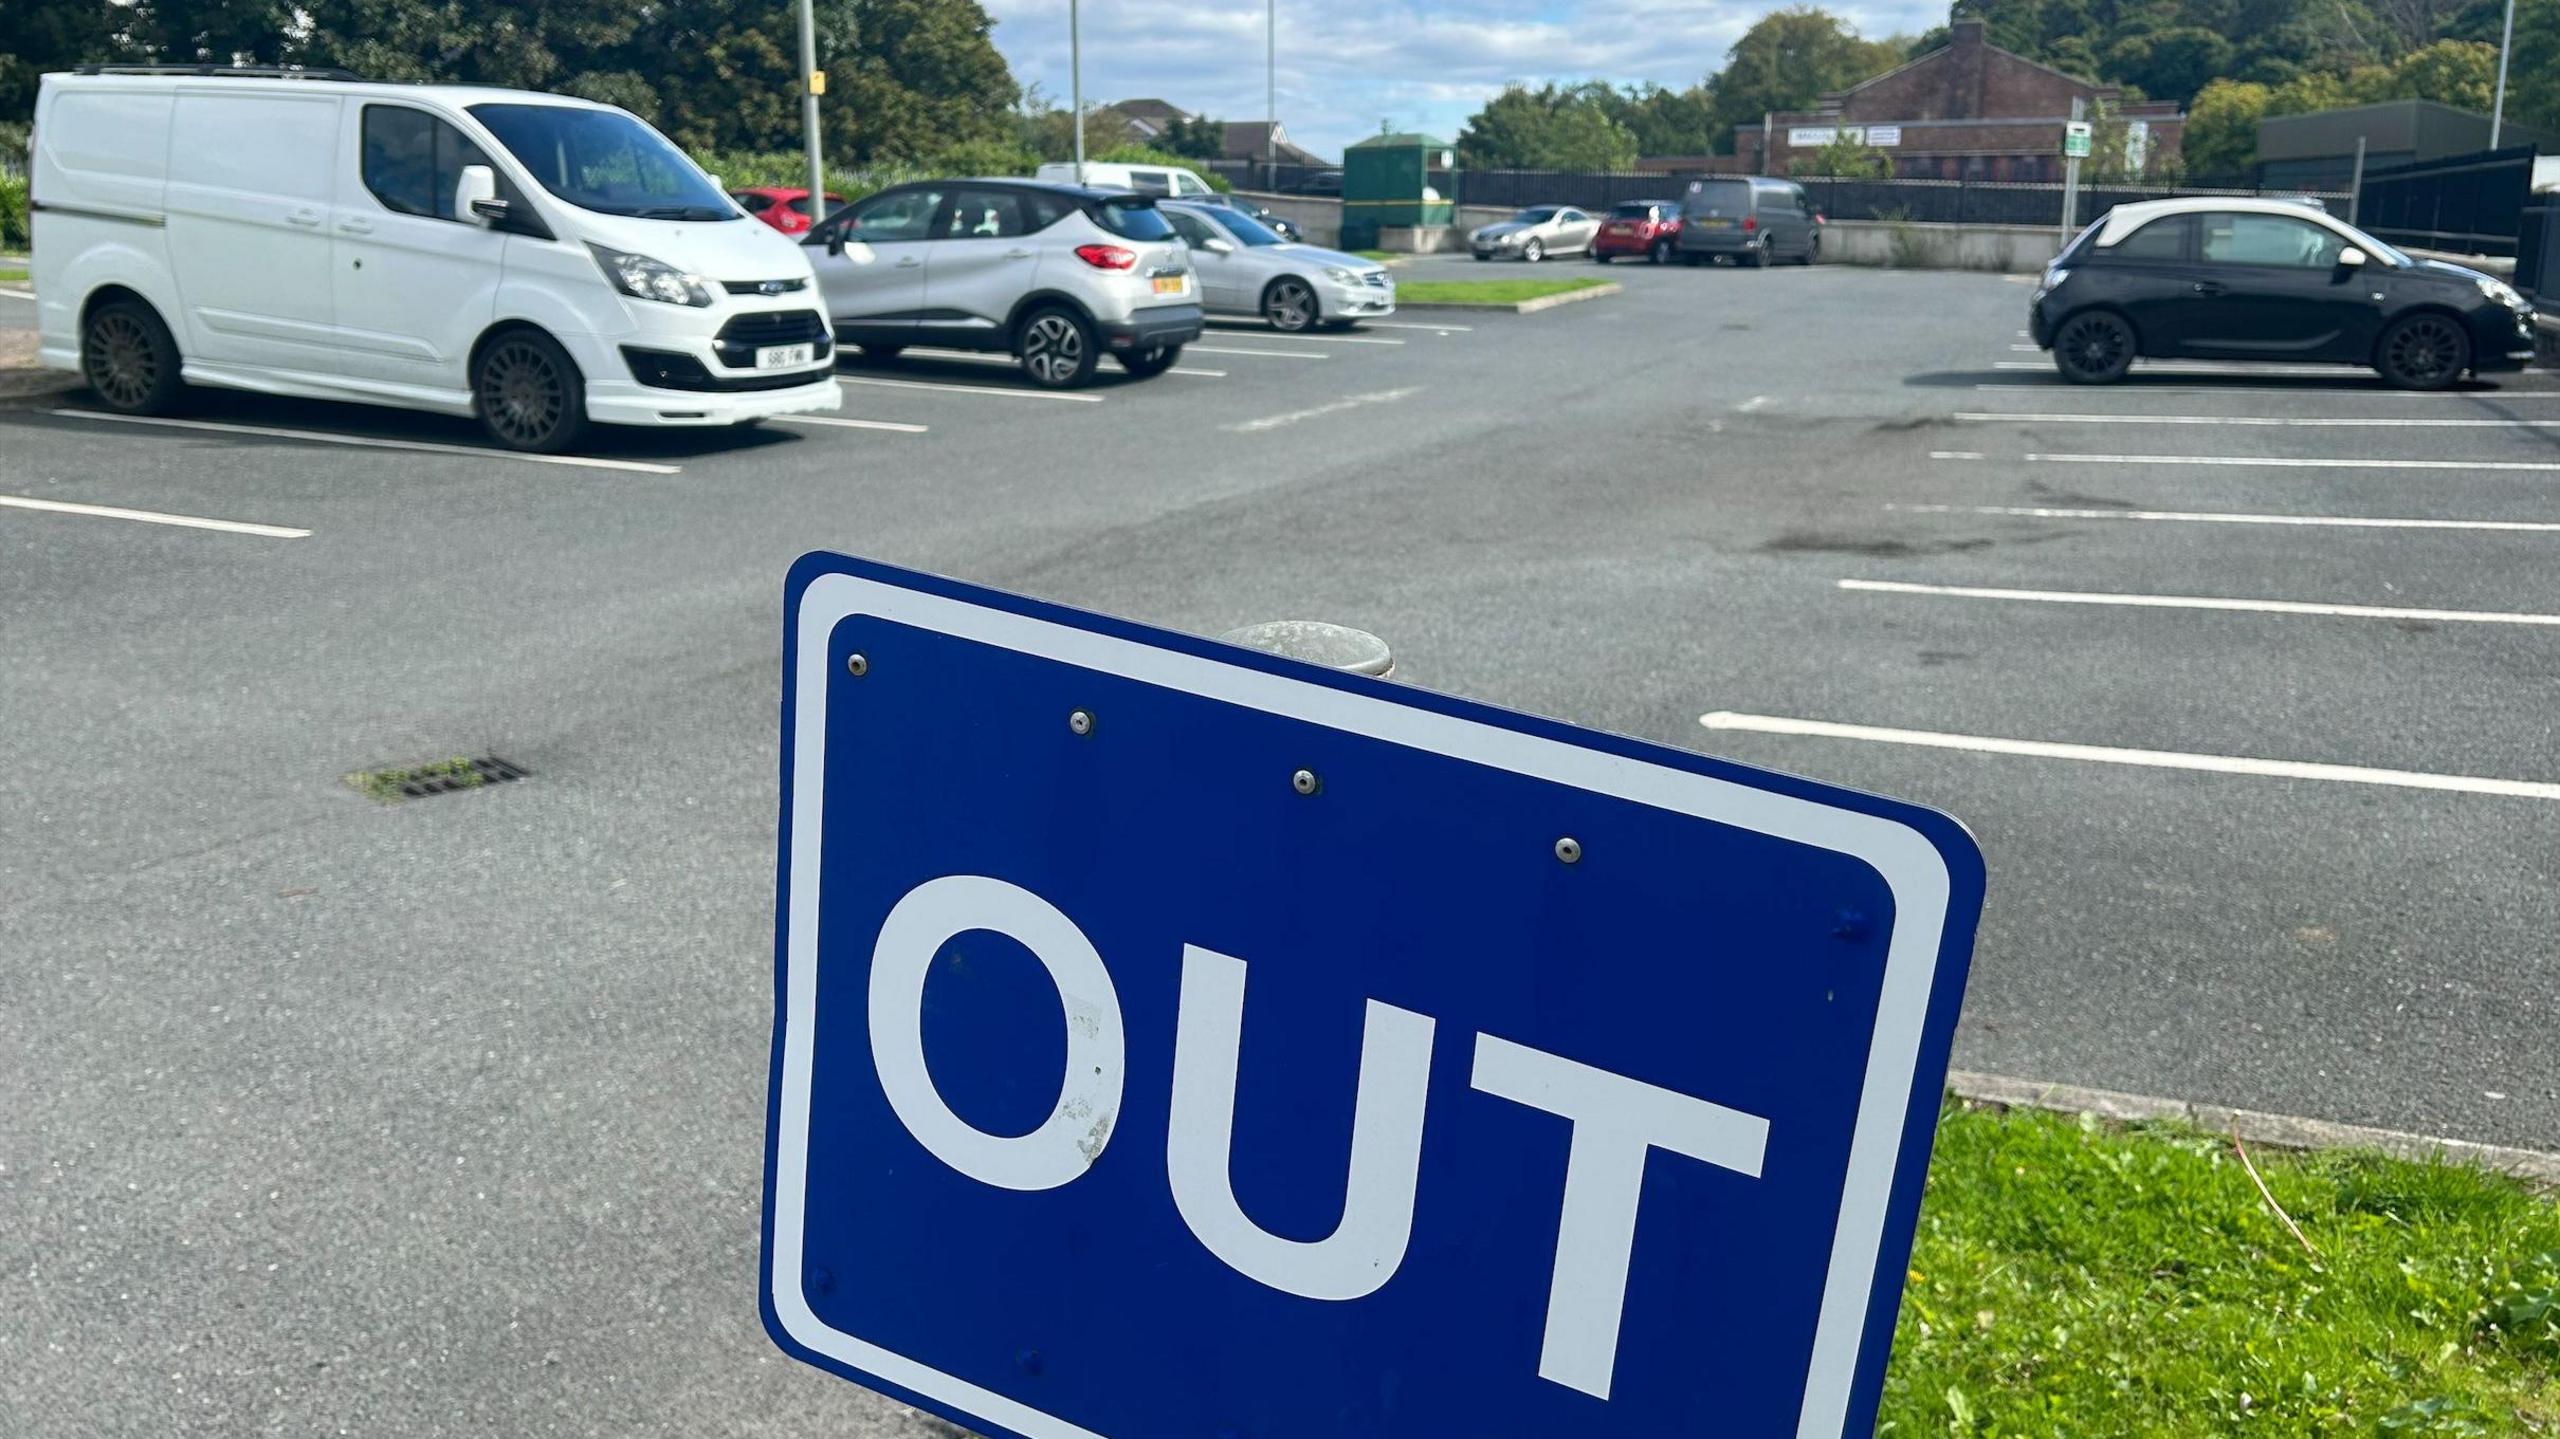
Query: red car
{"points": [[784, 207], [1640, 227]]}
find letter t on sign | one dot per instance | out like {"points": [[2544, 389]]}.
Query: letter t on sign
{"points": [[1617, 1122]]}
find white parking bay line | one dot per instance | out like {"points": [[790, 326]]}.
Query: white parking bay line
{"points": [[322, 437], [1407, 325], [1352, 402], [1264, 354], [833, 423], [1256, 332], [1200, 374], [2267, 462], [2371, 422], [2224, 517], [1068, 395], [2365, 391], [19, 294], [153, 517], [2145, 758], [2199, 602]]}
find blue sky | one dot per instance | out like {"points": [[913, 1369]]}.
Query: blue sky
{"points": [[1347, 64]]}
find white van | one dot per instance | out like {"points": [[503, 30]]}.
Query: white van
{"points": [[1168, 180], [537, 261]]}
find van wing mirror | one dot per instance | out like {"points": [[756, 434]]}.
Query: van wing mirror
{"points": [[475, 194], [2351, 257]]}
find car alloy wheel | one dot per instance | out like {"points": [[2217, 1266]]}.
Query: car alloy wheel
{"points": [[1055, 350], [1662, 252], [121, 360], [2094, 348], [1289, 306], [2425, 352], [1533, 252]]}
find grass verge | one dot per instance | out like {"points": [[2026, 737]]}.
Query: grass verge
{"points": [[390, 786], [1489, 292], [13, 277], [2073, 1278], [1381, 256]]}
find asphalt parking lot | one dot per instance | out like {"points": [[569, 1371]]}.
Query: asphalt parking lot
{"points": [[446, 1117]]}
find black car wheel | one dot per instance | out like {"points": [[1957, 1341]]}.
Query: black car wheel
{"points": [[530, 396], [1146, 364], [1661, 252], [1290, 305], [1598, 258], [128, 358], [1056, 348], [1753, 257], [2423, 352], [2095, 347]]}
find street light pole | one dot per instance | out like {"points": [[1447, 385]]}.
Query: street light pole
{"points": [[1075, 80], [1271, 94], [2498, 108], [813, 84]]}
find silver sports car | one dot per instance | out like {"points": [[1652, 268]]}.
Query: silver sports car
{"points": [[1535, 233], [1246, 269]]}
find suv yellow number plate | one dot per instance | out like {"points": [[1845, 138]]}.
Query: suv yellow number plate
{"points": [[1169, 284]]}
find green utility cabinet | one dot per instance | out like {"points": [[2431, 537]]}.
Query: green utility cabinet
{"points": [[1384, 180]]}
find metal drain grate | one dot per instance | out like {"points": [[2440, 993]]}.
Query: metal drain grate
{"points": [[444, 776]]}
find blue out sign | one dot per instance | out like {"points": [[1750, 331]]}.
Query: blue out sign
{"points": [[1174, 1042]]}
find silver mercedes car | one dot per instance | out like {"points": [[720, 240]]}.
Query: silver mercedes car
{"points": [[1535, 233], [1246, 269]]}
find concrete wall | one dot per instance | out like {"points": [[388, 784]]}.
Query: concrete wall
{"points": [[2012, 249]]}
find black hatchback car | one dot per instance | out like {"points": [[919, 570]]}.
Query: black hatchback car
{"points": [[2231, 279]]}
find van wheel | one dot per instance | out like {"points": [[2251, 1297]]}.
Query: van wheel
{"points": [[2094, 347], [1753, 258], [1056, 349], [1289, 305], [129, 360], [2423, 352], [530, 396], [1147, 364]]}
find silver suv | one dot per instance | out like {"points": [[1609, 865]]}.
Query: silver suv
{"points": [[1053, 274]]}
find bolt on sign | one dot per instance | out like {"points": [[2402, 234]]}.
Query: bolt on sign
{"points": [[1176, 1041]]}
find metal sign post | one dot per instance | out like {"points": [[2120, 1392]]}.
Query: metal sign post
{"points": [[813, 83], [1174, 1039], [1075, 79], [2075, 145]]}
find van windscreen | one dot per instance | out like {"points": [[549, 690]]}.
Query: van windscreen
{"points": [[605, 161], [1719, 197]]}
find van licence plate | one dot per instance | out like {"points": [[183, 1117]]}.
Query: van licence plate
{"points": [[784, 357], [1705, 224], [1169, 284]]}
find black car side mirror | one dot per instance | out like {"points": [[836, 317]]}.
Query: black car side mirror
{"points": [[835, 240]]}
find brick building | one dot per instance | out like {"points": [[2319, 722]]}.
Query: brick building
{"points": [[1967, 110]]}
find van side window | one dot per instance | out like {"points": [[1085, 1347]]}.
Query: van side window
{"points": [[412, 161], [1183, 184], [1151, 182]]}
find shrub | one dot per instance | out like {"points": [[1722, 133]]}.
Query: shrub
{"points": [[14, 235]]}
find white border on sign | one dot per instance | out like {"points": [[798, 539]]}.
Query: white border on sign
{"points": [[1910, 865]]}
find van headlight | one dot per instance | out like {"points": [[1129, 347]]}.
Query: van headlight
{"points": [[645, 279]]}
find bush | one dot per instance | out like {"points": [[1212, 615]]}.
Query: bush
{"points": [[14, 235], [986, 157]]}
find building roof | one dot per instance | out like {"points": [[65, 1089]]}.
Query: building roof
{"points": [[1402, 139], [1150, 108], [2422, 128], [1261, 140]]}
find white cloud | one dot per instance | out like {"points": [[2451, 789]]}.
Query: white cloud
{"points": [[1345, 66]]}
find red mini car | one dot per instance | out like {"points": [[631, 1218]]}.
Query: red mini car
{"points": [[1640, 227], [784, 207]]}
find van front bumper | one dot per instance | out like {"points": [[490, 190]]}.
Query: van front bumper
{"points": [[631, 403]]}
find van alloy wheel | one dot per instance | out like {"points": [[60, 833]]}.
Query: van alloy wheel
{"points": [[524, 398], [1289, 306], [121, 362]]}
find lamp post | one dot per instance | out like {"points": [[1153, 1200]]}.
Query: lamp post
{"points": [[2498, 107], [1271, 92], [813, 83], [1075, 82]]}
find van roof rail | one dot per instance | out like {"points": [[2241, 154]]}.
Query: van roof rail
{"points": [[257, 72]]}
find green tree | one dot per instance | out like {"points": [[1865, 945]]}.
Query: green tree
{"points": [[2170, 64], [42, 35], [2460, 73], [1198, 139], [2222, 128], [1787, 60], [1545, 129]]}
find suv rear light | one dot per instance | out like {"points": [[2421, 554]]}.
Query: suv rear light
{"points": [[1107, 257], [1750, 223]]}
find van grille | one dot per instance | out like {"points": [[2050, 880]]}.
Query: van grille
{"points": [[764, 287], [739, 339]]}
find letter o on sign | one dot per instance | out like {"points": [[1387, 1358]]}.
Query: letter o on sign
{"points": [[1071, 1139]]}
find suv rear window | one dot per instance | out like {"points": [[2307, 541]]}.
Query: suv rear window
{"points": [[1131, 217], [1634, 210], [1729, 197]]}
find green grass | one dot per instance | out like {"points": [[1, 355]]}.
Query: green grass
{"points": [[2073, 1280], [1381, 256], [383, 786], [1488, 292], [9, 277]]}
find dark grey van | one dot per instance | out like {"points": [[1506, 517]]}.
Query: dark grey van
{"points": [[1752, 220]]}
